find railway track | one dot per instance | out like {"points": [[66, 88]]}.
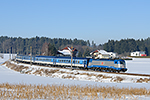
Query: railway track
{"points": [[134, 74]]}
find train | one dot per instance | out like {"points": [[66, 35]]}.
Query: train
{"points": [[107, 65]]}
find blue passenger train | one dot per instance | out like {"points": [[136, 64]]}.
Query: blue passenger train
{"points": [[109, 65]]}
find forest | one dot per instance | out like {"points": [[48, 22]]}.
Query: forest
{"points": [[49, 46], [125, 46]]}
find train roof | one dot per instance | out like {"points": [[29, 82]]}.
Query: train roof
{"points": [[46, 56], [74, 58], [61, 57], [110, 59]]}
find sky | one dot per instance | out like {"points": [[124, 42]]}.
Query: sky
{"points": [[94, 20]]}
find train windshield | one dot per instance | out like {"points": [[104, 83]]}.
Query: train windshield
{"points": [[123, 63]]}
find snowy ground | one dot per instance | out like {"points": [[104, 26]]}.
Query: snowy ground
{"points": [[78, 77], [137, 65]]}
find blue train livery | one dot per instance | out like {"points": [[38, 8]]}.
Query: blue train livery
{"points": [[111, 65]]}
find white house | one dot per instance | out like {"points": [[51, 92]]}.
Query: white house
{"points": [[112, 54], [98, 54], [67, 51], [138, 53]]}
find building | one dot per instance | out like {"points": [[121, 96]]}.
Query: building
{"points": [[67, 51], [99, 54], [138, 53]]}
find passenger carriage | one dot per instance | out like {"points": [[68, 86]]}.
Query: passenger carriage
{"points": [[66, 61], [23, 58], [45, 60]]}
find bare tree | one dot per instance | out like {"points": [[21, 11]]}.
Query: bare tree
{"points": [[44, 49]]}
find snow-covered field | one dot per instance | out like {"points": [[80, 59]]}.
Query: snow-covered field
{"points": [[137, 65]]}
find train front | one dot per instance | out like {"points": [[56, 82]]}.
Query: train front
{"points": [[122, 65]]}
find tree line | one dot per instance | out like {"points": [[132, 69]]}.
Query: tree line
{"points": [[43, 45], [49, 46], [125, 46]]}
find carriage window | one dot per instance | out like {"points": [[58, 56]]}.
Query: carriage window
{"points": [[115, 62]]}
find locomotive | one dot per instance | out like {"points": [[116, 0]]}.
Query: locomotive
{"points": [[107, 65]]}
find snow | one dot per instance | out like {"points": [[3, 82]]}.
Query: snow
{"points": [[137, 65]]}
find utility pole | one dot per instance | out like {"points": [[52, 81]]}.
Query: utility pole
{"points": [[71, 56], [31, 55], [3, 49], [39, 51], [71, 60], [9, 54], [17, 52], [27, 51], [17, 48], [12, 53]]}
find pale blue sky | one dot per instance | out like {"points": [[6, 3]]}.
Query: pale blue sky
{"points": [[97, 20]]}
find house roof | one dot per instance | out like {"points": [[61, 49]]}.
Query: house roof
{"points": [[99, 51], [67, 51]]}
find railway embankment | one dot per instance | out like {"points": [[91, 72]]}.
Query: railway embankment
{"points": [[77, 74]]}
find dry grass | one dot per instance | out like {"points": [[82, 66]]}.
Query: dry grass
{"points": [[117, 79], [65, 92], [2, 56], [146, 80], [15, 67]]}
